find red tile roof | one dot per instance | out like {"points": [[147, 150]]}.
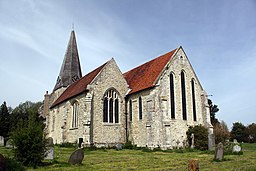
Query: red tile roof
{"points": [[144, 76], [78, 87]]}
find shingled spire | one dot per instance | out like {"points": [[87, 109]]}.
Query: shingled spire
{"points": [[70, 69]]}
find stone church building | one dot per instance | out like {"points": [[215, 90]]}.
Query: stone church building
{"points": [[151, 105]]}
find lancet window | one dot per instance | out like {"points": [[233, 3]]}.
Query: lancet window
{"points": [[75, 107], [193, 98], [183, 94], [172, 96]]}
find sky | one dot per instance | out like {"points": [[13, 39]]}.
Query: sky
{"points": [[219, 38]]}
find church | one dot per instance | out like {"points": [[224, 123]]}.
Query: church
{"points": [[151, 105]]}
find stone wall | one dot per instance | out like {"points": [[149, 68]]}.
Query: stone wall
{"points": [[157, 128], [109, 78]]}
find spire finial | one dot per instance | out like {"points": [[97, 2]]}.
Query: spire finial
{"points": [[72, 26]]}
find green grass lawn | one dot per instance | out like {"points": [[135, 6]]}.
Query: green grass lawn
{"points": [[127, 160]]}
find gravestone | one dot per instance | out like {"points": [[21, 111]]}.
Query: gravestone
{"points": [[219, 151], [77, 157], [236, 148], [235, 141], [50, 141], [1, 141], [9, 143], [2, 163], [119, 146], [192, 140], [193, 165], [49, 154]]}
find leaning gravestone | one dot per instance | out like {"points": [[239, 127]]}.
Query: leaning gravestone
{"points": [[77, 157], [49, 154], [1, 141], [219, 151]]}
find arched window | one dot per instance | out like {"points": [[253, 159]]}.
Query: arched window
{"points": [[130, 109], [183, 95], [75, 115], [111, 107], [193, 98], [140, 108], [172, 96]]}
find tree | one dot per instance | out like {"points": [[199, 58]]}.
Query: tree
{"points": [[200, 136], [221, 132], [5, 121], [20, 113], [28, 135], [251, 132], [238, 132], [213, 110]]}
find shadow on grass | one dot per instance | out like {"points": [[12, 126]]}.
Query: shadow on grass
{"points": [[55, 163]]}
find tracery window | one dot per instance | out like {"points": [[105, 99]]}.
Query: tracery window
{"points": [[111, 107], [183, 94], [193, 98], [172, 96], [75, 107]]}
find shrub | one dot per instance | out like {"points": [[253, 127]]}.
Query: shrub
{"points": [[200, 137], [128, 145], [13, 165], [29, 142]]}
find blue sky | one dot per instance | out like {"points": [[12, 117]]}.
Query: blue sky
{"points": [[219, 38]]}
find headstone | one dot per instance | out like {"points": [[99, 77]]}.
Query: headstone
{"points": [[193, 165], [119, 146], [219, 152], [1, 141], [77, 157], [9, 143], [2, 163], [236, 148], [49, 154], [192, 140], [50, 142], [235, 141]]}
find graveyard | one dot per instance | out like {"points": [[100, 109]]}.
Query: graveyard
{"points": [[143, 159]]}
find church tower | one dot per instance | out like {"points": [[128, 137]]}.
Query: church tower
{"points": [[70, 70]]}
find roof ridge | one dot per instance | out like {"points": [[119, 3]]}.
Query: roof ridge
{"points": [[150, 60], [144, 76]]}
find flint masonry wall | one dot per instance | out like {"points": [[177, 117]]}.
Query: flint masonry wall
{"points": [[105, 134], [157, 128]]}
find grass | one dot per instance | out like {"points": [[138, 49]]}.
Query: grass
{"points": [[129, 160]]}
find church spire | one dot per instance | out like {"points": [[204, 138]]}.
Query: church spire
{"points": [[70, 69]]}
